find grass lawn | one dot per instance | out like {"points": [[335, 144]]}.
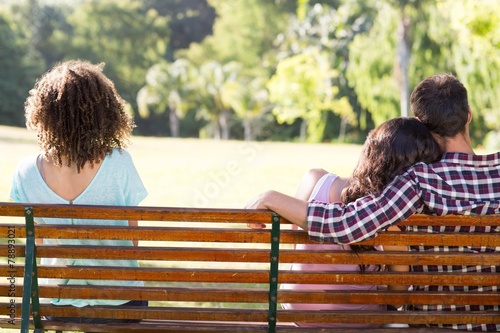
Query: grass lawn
{"points": [[203, 173]]}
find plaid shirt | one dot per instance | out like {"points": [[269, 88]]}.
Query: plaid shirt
{"points": [[457, 184]]}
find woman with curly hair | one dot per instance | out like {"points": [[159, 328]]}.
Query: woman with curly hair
{"points": [[82, 131], [387, 152]]}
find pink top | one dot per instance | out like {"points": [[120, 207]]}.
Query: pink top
{"points": [[321, 193]]}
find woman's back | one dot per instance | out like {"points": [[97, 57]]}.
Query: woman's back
{"points": [[327, 189]]}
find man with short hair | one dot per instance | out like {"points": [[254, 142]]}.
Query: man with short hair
{"points": [[460, 183]]}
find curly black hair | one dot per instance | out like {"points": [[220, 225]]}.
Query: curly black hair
{"points": [[78, 114]]}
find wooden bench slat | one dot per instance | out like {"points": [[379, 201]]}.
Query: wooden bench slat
{"points": [[196, 327], [390, 258], [158, 326], [138, 213], [206, 214], [413, 238], [383, 317], [145, 274], [255, 276], [151, 312], [256, 315], [389, 297], [391, 278], [151, 253], [452, 220], [261, 295], [261, 255], [146, 326], [103, 232], [245, 235], [241, 295]]}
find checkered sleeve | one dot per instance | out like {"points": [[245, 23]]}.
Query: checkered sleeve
{"points": [[363, 219]]}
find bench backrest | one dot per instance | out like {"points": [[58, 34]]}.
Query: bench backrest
{"points": [[207, 265]]}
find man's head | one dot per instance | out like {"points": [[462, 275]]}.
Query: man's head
{"points": [[440, 102]]}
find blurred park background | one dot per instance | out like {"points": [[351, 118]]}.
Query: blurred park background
{"points": [[260, 70]]}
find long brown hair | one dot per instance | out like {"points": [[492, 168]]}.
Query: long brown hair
{"points": [[388, 151]]}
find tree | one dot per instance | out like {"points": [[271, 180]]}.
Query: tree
{"points": [[448, 36], [47, 22], [380, 70], [244, 31], [249, 99], [167, 88], [112, 31], [302, 88], [330, 30], [403, 55], [475, 27], [211, 82], [19, 71], [190, 21], [371, 67]]}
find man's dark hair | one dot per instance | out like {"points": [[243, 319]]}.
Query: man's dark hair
{"points": [[440, 102]]}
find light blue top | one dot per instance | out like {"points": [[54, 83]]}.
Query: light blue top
{"points": [[116, 183]]}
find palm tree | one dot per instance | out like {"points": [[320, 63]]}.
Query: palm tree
{"points": [[249, 99], [167, 84], [210, 84]]}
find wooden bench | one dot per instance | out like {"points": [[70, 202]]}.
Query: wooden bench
{"points": [[205, 271]]}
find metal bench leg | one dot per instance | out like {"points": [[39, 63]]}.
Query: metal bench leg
{"points": [[273, 274], [30, 291]]}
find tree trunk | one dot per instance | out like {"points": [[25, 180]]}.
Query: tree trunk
{"points": [[343, 128], [303, 130], [403, 61], [247, 127], [174, 123], [224, 124]]}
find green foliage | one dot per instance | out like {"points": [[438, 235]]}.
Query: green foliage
{"points": [[168, 86], [370, 71], [249, 100], [210, 83], [46, 24], [111, 31], [302, 88], [244, 32], [373, 72], [476, 57], [331, 30], [190, 21], [19, 70]]}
